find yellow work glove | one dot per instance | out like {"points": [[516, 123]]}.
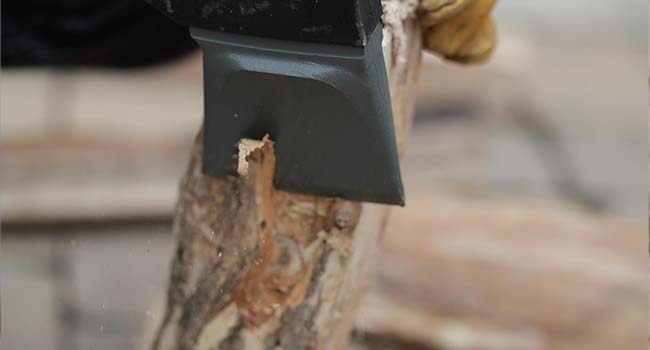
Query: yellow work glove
{"points": [[458, 30]]}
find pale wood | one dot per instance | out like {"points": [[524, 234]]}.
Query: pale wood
{"points": [[257, 268]]}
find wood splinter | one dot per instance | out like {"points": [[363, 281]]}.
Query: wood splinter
{"points": [[245, 148]]}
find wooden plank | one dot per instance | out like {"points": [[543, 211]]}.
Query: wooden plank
{"points": [[112, 147]]}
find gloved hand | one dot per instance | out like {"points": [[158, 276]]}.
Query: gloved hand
{"points": [[458, 30]]}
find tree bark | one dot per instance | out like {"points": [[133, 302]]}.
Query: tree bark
{"points": [[258, 268]]}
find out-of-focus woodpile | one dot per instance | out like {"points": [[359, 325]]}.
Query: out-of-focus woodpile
{"points": [[501, 274]]}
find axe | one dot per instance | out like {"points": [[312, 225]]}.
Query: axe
{"points": [[311, 75]]}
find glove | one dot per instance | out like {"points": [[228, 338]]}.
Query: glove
{"points": [[458, 30]]}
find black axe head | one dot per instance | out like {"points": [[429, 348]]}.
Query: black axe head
{"points": [[315, 82]]}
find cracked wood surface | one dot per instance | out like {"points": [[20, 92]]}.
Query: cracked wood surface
{"points": [[257, 268]]}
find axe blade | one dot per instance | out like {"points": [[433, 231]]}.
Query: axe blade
{"points": [[310, 74], [326, 106]]}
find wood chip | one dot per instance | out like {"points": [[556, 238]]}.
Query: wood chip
{"points": [[246, 147]]}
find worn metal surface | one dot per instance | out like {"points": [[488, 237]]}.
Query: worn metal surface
{"points": [[340, 22]]}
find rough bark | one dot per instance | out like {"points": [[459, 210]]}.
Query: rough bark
{"points": [[257, 268]]}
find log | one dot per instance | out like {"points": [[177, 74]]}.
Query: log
{"points": [[484, 272], [259, 268]]}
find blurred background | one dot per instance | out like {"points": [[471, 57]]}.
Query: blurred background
{"points": [[526, 182]]}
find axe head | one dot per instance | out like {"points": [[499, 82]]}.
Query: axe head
{"points": [[319, 90]]}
